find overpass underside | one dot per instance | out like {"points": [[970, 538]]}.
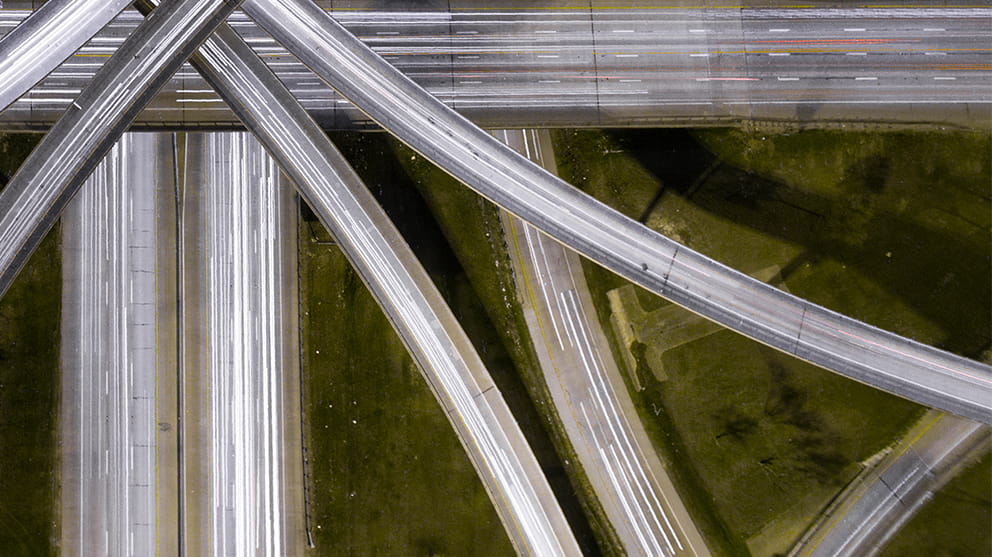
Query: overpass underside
{"points": [[558, 65]]}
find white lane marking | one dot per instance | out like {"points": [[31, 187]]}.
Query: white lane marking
{"points": [[466, 32], [866, 79], [697, 30], [623, 30], [540, 278], [627, 55], [933, 29], [854, 29], [787, 78], [944, 78], [547, 56], [935, 54], [549, 81], [856, 53], [467, 57], [630, 81], [778, 30], [700, 54], [469, 82], [779, 53], [387, 33], [545, 32]]}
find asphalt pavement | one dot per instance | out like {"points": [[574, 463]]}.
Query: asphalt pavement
{"points": [[589, 394], [653, 63], [109, 361], [244, 476]]}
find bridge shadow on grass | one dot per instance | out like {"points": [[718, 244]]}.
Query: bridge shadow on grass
{"points": [[941, 274]]}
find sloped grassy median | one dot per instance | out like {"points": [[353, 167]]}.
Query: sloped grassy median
{"points": [[387, 475], [29, 394], [873, 225]]}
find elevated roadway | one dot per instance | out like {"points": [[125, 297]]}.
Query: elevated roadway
{"points": [[652, 64], [50, 176], [778, 319], [46, 38], [453, 369]]}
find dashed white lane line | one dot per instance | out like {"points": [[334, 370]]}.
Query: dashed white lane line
{"points": [[935, 54], [933, 29], [778, 30], [779, 53], [866, 79], [788, 78], [700, 54], [627, 55], [854, 29], [944, 78], [547, 56], [856, 53]]}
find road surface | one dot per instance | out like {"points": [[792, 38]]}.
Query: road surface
{"points": [[244, 464], [589, 394], [659, 264], [109, 361], [463, 386], [55, 169], [653, 64], [875, 507], [44, 40]]}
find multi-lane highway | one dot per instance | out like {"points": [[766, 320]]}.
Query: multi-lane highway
{"points": [[778, 319], [871, 510], [244, 465], [456, 374], [589, 394], [109, 361], [651, 64], [93, 121]]}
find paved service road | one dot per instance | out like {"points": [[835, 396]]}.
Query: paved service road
{"points": [[109, 372], [874, 508], [463, 386], [591, 399], [655, 63], [245, 495], [810, 332]]}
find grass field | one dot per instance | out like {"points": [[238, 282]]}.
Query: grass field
{"points": [[868, 224], [957, 521], [29, 387], [387, 473]]}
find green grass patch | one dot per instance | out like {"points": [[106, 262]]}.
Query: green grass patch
{"points": [[955, 523], [873, 225], [29, 389], [387, 474]]}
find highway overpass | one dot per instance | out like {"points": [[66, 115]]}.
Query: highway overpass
{"points": [[778, 319], [649, 65]]}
